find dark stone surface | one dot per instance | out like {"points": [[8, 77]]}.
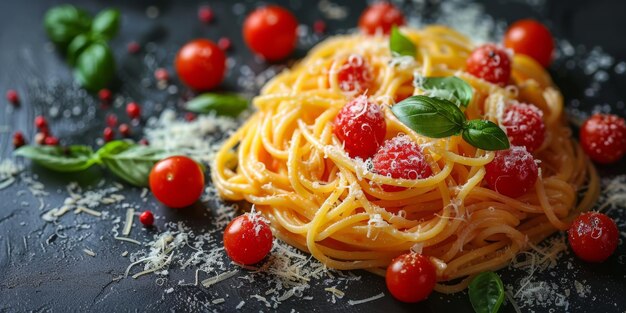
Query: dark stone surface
{"points": [[37, 276]]}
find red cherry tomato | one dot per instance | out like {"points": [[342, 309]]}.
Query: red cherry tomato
{"points": [[411, 277], [177, 181], [247, 239], [146, 218], [355, 75], [524, 125], [490, 63], [512, 172], [531, 38], [201, 64], [603, 138], [381, 16], [270, 32], [400, 157], [593, 237], [361, 126]]}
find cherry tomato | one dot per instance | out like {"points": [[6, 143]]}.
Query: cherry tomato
{"points": [[512, 172], [603, 138], [247, 239], [524, 125], [177, 181], [490, 63], [400, 157], [361, 126], [411, 277], [380, 17], [355, 75], [531, 38], [593, 237], [146, 218], [201, 64], [270, 32]]}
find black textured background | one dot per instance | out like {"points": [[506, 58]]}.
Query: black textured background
{"points": [[62, 278]]}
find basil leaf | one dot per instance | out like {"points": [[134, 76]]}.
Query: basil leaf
{"points": [[400, 44], [106, 24], [431, 117], [230, 104], [485, 135], [76, 47], [450, 88], [64, 22], [486, 293], [95, 66], [59, 159], [130, 162]]}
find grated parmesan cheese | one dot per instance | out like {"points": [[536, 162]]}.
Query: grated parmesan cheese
{"points": [[372, 298]]}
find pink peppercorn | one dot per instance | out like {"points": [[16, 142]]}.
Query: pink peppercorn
{"points": [[12, 97], [108, 134], [319, 27], [124, 130], [51, 141], [18, 139], [41, 123], [161, 74], [146, 218], [133, 110], [111, 120], [133, 47], [105, 95], [224, 43], [205, 14]]}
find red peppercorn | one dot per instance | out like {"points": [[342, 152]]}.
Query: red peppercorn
{"points": [[319, 27], [51, 141], [12, 97], [108, 134], [205, 14], [161, 74], [146, 218], [18, 139], [189, 116], [144, 142], [224, 43], [133, 47], [124, 130], [105, 95], [40, 122], [133, 110], [111, 120]]}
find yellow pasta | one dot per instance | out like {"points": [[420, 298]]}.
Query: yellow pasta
{"points": [[286, 161]]}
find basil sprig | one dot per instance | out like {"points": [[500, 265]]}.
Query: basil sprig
{"points": [[128, 161], [486, 293], [450, 88], [84, 41], [439, 118], [401, 45], [230, 104]]}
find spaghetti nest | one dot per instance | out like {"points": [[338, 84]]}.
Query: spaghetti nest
{"points": [[286, 161]]}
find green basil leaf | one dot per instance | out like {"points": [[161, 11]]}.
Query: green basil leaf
{"points": [[450, 88], [400, 44], [106, 24], [64, 22], [76, 47], [59, 159], [485, 135], [130, 162], [230, 104], [431, 117], [486, 293], [95, 66]]}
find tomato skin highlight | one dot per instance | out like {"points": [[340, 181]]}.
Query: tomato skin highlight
{"points": [[381, 16], [593, 237], [360, 125], [270, 32], [411, 277], [603, 138], [201, 64], [247, 239], [531, 38], [177, 181]]}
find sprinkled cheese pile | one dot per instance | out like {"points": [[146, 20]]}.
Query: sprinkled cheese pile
{"points": [[198, 139], [8, 171]]}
